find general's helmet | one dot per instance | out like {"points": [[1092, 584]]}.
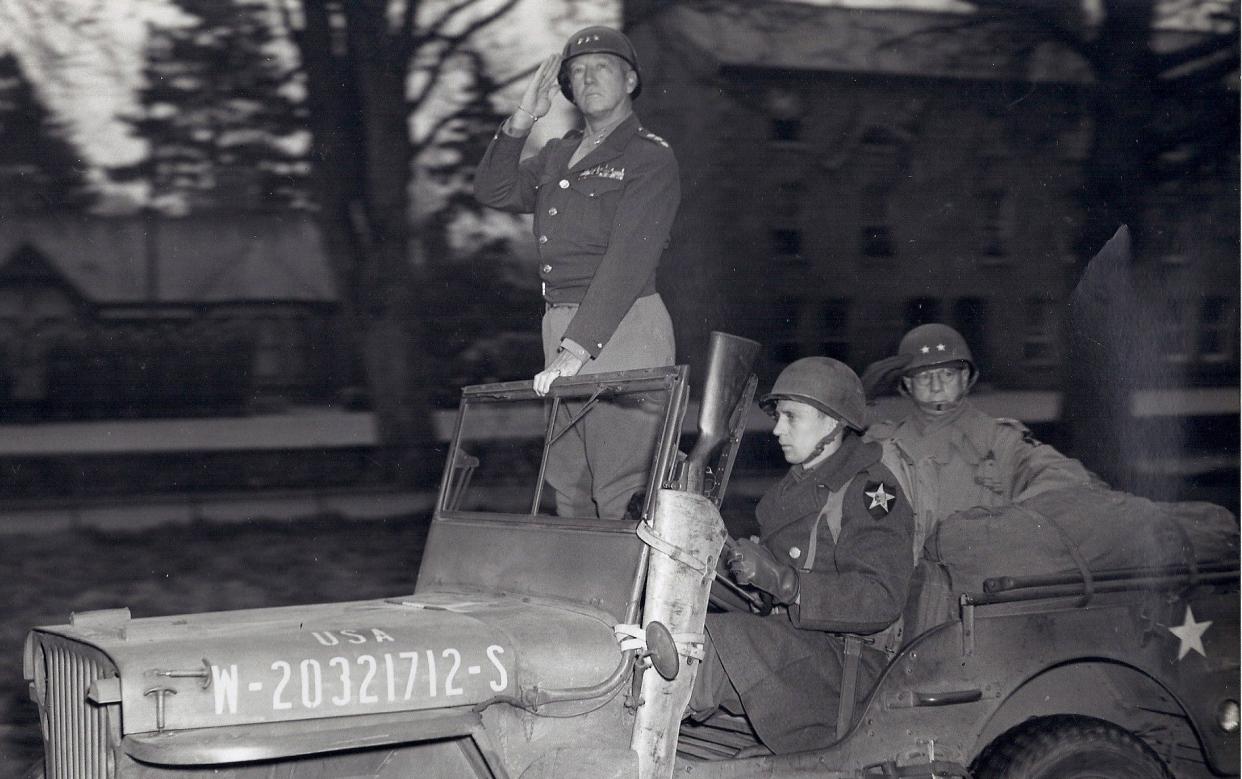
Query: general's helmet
{"points": [[825, 384], [597, 40], [934, 344]]}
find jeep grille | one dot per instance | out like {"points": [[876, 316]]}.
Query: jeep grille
{"points": [[77, 733]]}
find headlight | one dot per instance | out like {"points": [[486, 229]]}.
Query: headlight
{"points": [[1227, 716]]}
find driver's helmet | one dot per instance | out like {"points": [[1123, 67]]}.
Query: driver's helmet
{"points": [[597, 40], [823, 383]]}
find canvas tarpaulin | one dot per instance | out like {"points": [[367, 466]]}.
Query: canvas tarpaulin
{"points": [[1076, 528]]}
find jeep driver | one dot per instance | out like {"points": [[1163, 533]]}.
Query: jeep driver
{"points": [[833, 555]]}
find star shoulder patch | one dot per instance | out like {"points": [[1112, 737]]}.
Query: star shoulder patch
{"points": [[879, 498]]}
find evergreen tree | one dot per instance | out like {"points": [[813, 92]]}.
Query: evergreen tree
{"points": [[218, 114], [40, 169]]}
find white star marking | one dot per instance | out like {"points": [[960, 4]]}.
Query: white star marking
{"points": [[925, 349], [940, 347], [1190, 635], [879, 497]]}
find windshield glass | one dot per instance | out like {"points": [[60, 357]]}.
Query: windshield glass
{"points": [[588, 450]]}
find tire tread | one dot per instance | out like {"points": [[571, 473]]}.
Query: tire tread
{"points": [[1012, 754]]}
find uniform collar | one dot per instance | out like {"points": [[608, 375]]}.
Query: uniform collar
{"points": [[842, 465], [954, 426], [610, 147]]}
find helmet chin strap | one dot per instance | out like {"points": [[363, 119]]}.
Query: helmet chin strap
{"points": [[939, 408], [824, 443]]}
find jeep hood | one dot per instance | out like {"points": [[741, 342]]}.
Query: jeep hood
{"points": [[436, 650]]}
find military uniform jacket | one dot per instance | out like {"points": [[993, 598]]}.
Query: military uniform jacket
{"points": [[857, 581], [787, 666], [600, 226], [968, 458]]}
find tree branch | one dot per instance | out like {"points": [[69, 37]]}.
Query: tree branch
{"points": [[296, 35], [451, 45], [431, 31], [1206, 49]]}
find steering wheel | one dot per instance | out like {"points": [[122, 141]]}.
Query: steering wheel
{"points": [[726, 595]]}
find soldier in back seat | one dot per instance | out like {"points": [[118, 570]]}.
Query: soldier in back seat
{"points": [[834, 555], [963, 458]]}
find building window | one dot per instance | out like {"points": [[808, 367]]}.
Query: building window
{"points": [[785, 112], [1216, 330], [874, 235], [268, 350], [1039, 347], [280, 350], [1177, 334], [880, 156], [921, 311], [785, 233], [787, 129], [970, 318], [834, 330], [790, 195], [786, 243], [996, 210], [780, 330]]}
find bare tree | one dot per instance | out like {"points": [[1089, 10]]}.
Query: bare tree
{"points": [[358, 57]]}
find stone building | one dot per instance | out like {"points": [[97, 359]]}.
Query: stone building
{"points": [[848, 174]]}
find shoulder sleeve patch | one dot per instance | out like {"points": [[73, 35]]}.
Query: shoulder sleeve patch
{"points": [[645, 133], [878, 498]]}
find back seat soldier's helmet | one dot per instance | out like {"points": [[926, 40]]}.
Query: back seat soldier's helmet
{"points": [[825, 384], [598, 40], [935, 345]]}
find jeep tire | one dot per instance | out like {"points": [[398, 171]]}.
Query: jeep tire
{"points": [[1068, 747]]}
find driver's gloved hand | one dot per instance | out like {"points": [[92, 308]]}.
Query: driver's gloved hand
{"points": [[754, 564]]}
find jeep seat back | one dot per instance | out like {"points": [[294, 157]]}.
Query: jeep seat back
{"points": [[930, 602]]}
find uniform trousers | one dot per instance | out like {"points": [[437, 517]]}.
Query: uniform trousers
{"points": [[785, 680], [605, 459]]}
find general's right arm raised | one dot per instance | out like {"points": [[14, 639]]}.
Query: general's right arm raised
{"points": [[503, 180]]}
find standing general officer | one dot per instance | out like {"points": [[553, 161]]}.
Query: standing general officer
{"points": [[834, 553], [603, 198]]}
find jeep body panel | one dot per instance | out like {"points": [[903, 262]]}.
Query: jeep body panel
{"points": [[946, 694], [507, 659], [434, 650]]}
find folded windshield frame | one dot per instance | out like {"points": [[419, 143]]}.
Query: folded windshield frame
{"points": [[498, 456]]}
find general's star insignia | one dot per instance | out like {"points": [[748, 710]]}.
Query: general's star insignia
{"points": [[880, 497], [940, 347], [925, 349], [1190, 635]]}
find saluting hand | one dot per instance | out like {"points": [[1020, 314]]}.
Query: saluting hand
{"points": [[537, 99]]}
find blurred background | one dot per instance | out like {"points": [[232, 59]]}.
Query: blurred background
{"points": [[238, 249], [242, 276]]}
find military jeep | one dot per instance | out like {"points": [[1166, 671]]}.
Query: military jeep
{"points": [[534, 645]]}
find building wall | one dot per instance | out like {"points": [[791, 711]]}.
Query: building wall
{"points": [[64, 354], [830, 210]]}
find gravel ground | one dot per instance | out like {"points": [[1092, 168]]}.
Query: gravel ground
{"points": [[181, 568]]}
